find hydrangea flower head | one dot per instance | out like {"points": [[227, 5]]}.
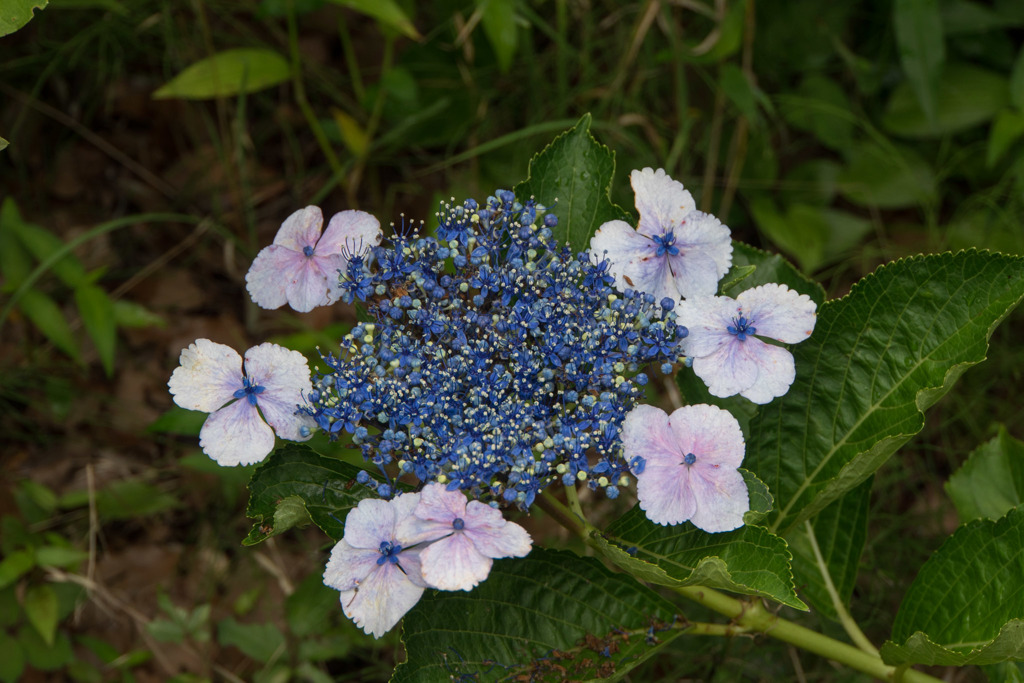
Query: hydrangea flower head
{"points": [[271, 380], [470, 537], [302, 267], [373, 565], [675, 251], [497, 361], [688, 470], [724, 344]]}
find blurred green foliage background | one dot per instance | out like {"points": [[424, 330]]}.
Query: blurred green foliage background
{"points": [[155, 146]]}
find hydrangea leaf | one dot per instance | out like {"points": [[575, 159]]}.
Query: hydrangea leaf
{"points": [[295, 473], [966, 605], [750, 560], [761, 499], [839, 531], [572, 176], [550, 616], [227, 73], [17, 13], [991, 482], [878, 358], [769, 268]]}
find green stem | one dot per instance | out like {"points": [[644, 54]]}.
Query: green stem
{"points": [[561, 514]]}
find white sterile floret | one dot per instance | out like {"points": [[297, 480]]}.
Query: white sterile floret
{"points": [[675, 251], [723, 340], [301, 268], [686, 465], [273, 380]]}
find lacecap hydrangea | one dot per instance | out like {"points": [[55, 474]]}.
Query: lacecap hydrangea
{"points": [[497, 360]]}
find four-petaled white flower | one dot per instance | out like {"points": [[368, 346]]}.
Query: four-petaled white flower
{"points": [[373, 565], [302, 268], [726, 353], [471, 536], [687, 465], [273, 380], [675, 251]]}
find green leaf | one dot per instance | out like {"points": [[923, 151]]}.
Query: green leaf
{"points": [[3, 144], [761, 499], [40, 605], [59, 556], [12, 659], [919, 37], [749, 560], [966, 96], [42, 656], [97, 311], [15, 262], [821, 107], [178, 420], [499, 20], [132, 498], [739, 90], [572, 176], [548, 616], [261, 642], [878, 358], [1017, 81], [49, 319], [16, 565], [42, 243], [16, 13], [326, 486], [839, 531], [771, 268], [227, 73], [1005, 672], [387, 12], [887, 178], [991, 482], [310, 607], [1006, 130], [801, 232], [130, 314], [966, 605]]}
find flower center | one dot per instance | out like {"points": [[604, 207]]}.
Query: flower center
{"points": [[249, 390], [458, 524], [666, 244], [742, 328], [389, 552], [308, 251], [689, 459]]}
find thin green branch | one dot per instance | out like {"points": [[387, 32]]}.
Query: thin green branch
{"points": [[849, 625]]}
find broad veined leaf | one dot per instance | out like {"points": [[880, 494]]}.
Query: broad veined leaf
{"points": [[16, 13], [572, 176], [97, 311], [548, 616], [991, 482], [966, 605], [750, 560], [296, 474], [839, 532], [966, 96], [226, 74], [919, 36], [878, 358], [386, 12]]}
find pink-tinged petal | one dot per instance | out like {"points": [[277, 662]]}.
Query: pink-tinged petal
{"points": [[411, 563], [437, 504], [349, 566], [703, 233], [236, 435], [352, 231], [507, 540], [301, 229], [776, 372], [721, 500], [707, 320], [269, 275], [646, 432], [208, 376], [454, 564], [381, 600], [731, 369], [310, 286], [332, 266], [652, 274], [370, 523], [779, 313], [664, 494], [284, 374], [662, 202], [622, 246], [694, 274], [710, 433]]}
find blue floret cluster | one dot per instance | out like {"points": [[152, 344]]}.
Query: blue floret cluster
{"points": [[497, 361]]}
